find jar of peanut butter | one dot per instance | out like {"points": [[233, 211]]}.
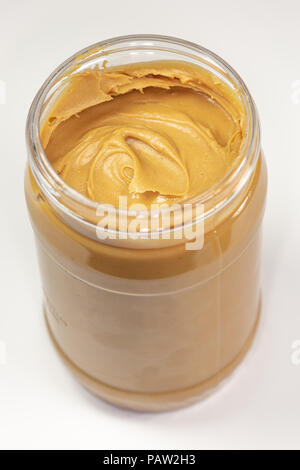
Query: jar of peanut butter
{"points": [[146, 188]]}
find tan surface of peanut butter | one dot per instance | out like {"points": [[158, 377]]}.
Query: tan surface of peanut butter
{"points": [[148, 329], [156, 132]]}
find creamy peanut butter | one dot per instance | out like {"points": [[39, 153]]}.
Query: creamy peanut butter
{"points": [[148, 327], [156, 132]]}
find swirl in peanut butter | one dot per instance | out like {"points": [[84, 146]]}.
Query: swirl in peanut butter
{"points": [[155, 132]]}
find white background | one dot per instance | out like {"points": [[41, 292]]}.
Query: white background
{"points": [[41, 405]]}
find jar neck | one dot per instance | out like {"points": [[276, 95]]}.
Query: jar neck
{"points": [[78, 210]]}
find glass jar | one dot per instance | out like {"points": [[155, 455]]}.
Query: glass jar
{"points": [[146, 324]]}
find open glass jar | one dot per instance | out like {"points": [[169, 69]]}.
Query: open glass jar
{"points": [[145, 323]]}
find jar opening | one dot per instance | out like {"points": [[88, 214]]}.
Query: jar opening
{"points": [[139, 48]]}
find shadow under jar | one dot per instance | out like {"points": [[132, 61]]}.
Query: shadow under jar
{"points": [[147, 324]]}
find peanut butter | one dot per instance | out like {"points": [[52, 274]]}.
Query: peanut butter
{"points": [[156, 132], [148, 327]]}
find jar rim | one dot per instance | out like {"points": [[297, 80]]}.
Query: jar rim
{"points": [[57, 190]]}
